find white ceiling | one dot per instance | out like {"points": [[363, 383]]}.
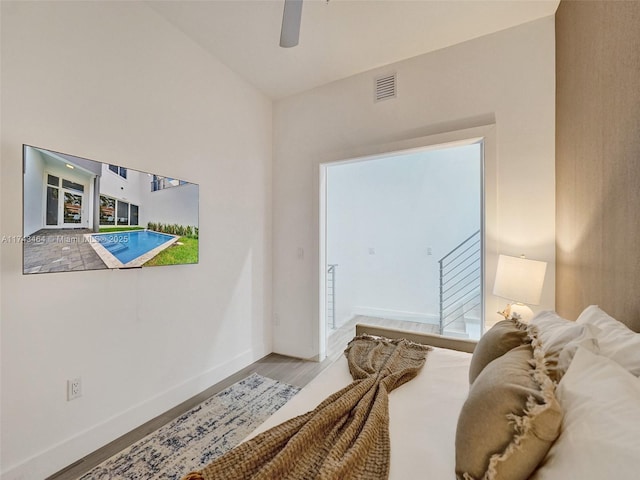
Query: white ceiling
{"points": [[338, 38]]}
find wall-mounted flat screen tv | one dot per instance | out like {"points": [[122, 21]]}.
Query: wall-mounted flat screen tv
{"points": [[81, 214]]}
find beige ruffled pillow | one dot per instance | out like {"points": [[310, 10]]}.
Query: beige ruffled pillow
{"points": [[498, 340], [510, 418]]}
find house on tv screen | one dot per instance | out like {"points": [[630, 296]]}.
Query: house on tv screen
{"points": [[67, 192]]}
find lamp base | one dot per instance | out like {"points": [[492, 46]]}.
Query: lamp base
{"points": [[518, 311]]}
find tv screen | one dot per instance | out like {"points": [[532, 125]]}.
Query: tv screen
{"points": [[80, 214]]}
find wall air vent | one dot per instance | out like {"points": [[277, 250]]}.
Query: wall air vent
{"points": [[385, 87]]}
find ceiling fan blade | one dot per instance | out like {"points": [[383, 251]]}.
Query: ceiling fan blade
{"points": [[290, 33]]}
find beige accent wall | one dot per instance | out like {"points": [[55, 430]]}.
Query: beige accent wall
{"points": [[598, 158]]}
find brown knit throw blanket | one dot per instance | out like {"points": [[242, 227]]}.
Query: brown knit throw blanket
{"points": [[345, 437]]}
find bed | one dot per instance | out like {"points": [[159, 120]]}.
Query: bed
{"points": [[549, 400], [417, 441]]}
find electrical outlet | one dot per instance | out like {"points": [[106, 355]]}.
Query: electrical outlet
{"points": [[74, 388]]}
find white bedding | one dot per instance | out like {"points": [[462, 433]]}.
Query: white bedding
{"points": [[423, 413]]}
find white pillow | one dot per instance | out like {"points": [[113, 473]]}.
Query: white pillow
{"points": [[599, 433], [616, 341], [560, 338]]}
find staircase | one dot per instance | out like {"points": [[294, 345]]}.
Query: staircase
{"points": [[331, 296], [461, 286]]}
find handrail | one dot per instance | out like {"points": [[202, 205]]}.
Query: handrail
{"points": [[331, 294], [460, 254], [461, 243], [464, 293]]}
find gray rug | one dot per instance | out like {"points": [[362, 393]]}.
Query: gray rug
{"points": [[202, 434]]}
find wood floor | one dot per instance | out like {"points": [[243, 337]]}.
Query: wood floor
{"points": [[278, 367]]}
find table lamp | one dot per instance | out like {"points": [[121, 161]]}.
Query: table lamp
{"points": [[519, 280]]}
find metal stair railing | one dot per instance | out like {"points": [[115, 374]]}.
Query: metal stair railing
{"points": [[331, 295], [460, 281]]}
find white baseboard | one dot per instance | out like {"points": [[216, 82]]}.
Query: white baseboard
{"points": [[72, 449]]}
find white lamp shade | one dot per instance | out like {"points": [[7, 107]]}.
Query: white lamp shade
{"points": [[519, 279]]}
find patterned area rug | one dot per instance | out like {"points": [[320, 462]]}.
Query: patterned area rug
{"points": [[202, 434]]}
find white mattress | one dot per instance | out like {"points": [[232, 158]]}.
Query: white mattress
{"points": [[422, 413]]}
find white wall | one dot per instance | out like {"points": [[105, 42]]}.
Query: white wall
{"points": [[130, 189], [177, 205], [507, 78], [112, 81], [390, 220]]}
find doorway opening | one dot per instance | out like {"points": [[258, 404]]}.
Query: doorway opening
{"points": [[402, 242]]}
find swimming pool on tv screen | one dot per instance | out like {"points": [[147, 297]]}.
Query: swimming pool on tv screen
{"points": [[127, 246]]}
